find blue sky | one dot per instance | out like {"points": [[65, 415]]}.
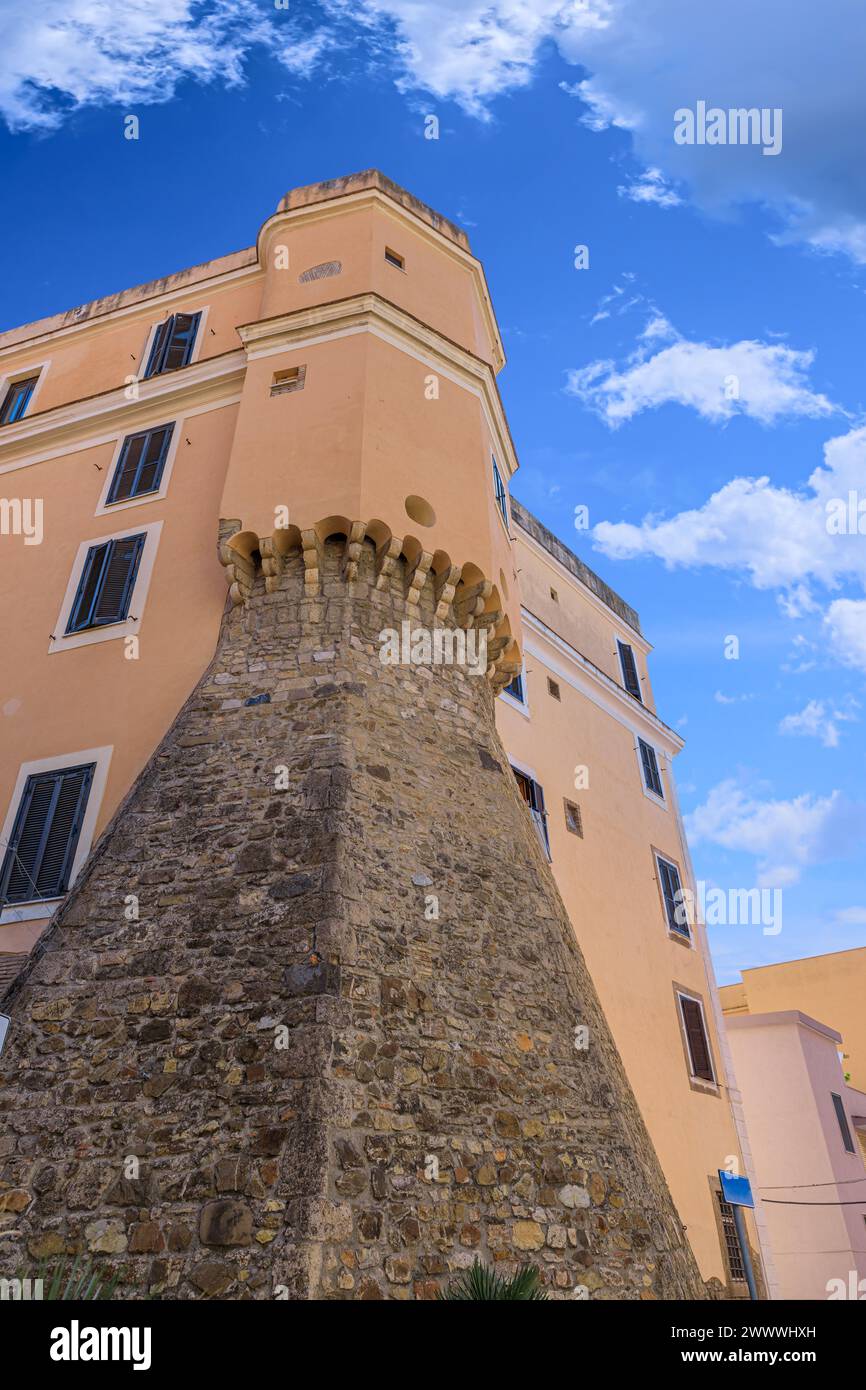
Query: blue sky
{"points": [[706, 263]]}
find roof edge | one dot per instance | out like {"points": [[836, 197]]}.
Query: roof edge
{"points": [[573, 563], [328, 189]]}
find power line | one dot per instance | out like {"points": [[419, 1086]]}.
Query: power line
{"points": [[780, 1202], [790, 1186]]}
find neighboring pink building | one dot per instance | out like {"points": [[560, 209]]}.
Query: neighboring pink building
{"points": [[804, 1123]]}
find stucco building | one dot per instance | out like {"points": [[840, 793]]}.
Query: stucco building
{"points": [[324, 405], [796, 1030]]}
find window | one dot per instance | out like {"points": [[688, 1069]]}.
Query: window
{"points": [[42, 844], [290, 379], [553, 689], [673, 897], [628, 665], [732, 1245], [515, 689], [534, 798], [105, 587], [139, 468], [697, 1042], [393, 258], [16, 400], [843, 1123], [173, 343], [652, 778], [573, 818], [499, 491]]}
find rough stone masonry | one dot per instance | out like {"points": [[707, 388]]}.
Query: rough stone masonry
{"points": [[248, 1063]]}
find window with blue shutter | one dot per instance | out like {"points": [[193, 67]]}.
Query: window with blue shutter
{"points": [[628, 666], [106, 583], [173, 343], [16, 400], [41, 851], [672, 893], [514, 688], [652, 778], [142, 460], [500, 493]]}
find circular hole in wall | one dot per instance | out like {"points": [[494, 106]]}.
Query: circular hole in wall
{"points": [[420, 511]]}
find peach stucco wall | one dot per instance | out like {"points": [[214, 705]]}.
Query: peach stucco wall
{"points": [[608, 880], [831, 987]]}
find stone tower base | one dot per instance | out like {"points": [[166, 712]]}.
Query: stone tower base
{"points": [[334, 1053]]}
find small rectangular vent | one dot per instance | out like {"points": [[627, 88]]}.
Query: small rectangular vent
{"points": [[573, 818], [289, 379]]}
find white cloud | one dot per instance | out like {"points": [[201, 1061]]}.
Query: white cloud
{"points": [[785, 836], [650, 187], [656, 56], [648, 58], [846, 623], [472, 50], [765, 381], [851, 916], [817, 720], [61, 55], [722, 699], [777, 535]]}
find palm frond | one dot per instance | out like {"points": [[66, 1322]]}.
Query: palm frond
{"points": [[480, 1284], [83, 1281]]}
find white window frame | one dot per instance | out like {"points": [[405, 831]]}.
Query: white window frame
{"points": [[653, 797], [521, 706], [151, 334], [104, 507], [696, 999], [131, 626], [686, 933], [39, 369], [544, 840], [44, 907]]}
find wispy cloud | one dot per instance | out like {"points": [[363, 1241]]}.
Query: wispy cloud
{"points": [[765, 381], [777, 536], [62, 55], [784, 836], [818, 719], [650, 187]]}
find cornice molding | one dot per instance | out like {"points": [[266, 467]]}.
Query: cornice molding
{"points": [[370, 312], [69, 428], [143, 307]]}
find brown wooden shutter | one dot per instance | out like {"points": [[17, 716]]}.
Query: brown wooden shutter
{"points": [[699, 1048]]}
